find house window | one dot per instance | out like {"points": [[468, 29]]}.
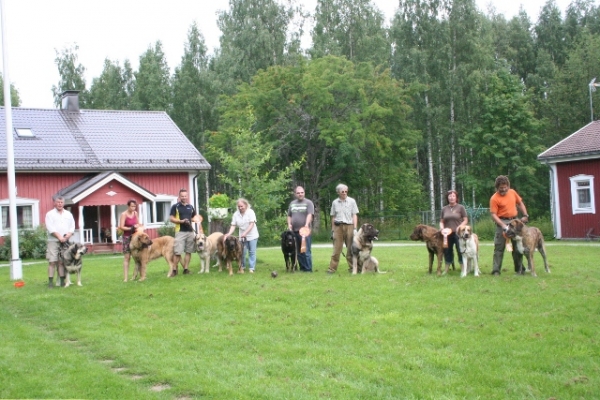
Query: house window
{"points": [[24, 132], [582, 194], [157, 212], [27, 214]]}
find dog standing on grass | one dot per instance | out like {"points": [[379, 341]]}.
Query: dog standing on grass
{"points": [[230, 250], [468, 244], [288, 248], [528, 238], [71, 255], [434, 241], [206, 246]]}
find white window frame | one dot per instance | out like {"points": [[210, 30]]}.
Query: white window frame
{"points": [[35, 212], [147, 215], [576, 187]]}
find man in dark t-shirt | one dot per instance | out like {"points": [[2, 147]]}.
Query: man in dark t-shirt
{"points": [[185, 235], [300, 215]]}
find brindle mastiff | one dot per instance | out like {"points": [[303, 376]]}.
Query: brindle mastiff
{"points": [[362, 245], [528, 239], [230, 250], [434, 240]]}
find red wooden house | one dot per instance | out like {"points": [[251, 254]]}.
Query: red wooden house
{"points": [[97, 160], [574, 164]]}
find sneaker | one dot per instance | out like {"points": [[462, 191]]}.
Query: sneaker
{"points": [[330, 272], [50, 285], [251, 271], [496, 273], [186, 271], [174, 272]]}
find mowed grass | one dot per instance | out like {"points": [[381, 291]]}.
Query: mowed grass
{"points": [[400, 335]]}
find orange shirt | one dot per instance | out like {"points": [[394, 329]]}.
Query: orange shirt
{"points": [[505, 206]]}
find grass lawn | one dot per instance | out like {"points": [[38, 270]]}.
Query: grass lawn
{"points": [[401, 335]]}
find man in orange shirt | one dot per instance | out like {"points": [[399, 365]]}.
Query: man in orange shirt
{"points": [[503, 207]]}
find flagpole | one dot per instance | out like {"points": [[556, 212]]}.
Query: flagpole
{"points": [[16, 266]]}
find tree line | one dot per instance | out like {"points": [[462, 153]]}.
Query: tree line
{"points": [[444, 96]]}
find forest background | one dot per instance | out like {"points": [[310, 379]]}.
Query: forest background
{"points": [[444, 97]]}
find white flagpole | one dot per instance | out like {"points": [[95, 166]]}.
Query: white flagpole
{"points": [[16, 266]]}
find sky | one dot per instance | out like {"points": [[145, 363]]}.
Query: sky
{"points": [[125, 29]]}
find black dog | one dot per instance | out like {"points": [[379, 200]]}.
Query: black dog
{"points": [[288, 247]]}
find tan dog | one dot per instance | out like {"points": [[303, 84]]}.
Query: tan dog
{"points": [[144, 250], [362, 245], [229, 250], [434, 240], [528, 239], [206, 246], [468, 244]]}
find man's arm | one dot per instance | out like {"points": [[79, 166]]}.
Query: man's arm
{"points": [[523, 209]]}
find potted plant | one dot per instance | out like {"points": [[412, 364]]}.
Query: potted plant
{"points": [[218, 206]]}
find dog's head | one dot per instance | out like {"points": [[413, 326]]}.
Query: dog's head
{"points": [[78, 250], [369, 232], [288, 240], [419, 232], [515, 228], [464, 232], [141, 240], [232, 244], [200, 242]]}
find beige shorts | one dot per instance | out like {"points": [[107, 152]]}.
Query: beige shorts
{"points": [[52, 250], [185, 242]]}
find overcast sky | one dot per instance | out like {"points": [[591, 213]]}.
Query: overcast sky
{"points": [[124, 29]]}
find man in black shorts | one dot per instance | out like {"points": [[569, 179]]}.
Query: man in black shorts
{"points": [[185, 236]]}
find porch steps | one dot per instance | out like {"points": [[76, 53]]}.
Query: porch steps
{"points": [[105, 248]]}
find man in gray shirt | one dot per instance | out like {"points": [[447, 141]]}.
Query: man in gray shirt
{"points": [[300, 215]]}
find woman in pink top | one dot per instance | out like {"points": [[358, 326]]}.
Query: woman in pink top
{"points": [[127, 223]]}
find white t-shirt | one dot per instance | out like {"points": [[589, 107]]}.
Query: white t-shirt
{"points": [[243, 222]]}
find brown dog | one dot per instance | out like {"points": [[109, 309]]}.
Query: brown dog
{"points": [[434, 240], [230, 250], [206, 246], [144, 250], [362, 245], [528, 239]]}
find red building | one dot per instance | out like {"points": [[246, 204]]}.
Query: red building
{"points": [[97, 160], [574, 164]]}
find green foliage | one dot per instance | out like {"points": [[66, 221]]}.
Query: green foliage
{"points": [[152, 81], [32, 243], [113, 89], [249, 173], [15, 100], [167, 229], [71, 75], [195, 90], [219, 200], [353, 29]]}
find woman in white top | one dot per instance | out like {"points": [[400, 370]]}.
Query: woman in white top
{"points": [[245, 219]]}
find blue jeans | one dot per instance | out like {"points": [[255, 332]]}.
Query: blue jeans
{"points": [[250, 248], [304, 259]]}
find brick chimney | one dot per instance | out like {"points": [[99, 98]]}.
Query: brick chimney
{"points": [[70, 100]]}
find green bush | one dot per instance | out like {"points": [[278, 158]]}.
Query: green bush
{"points": [[270, 231], [168, 229], [32, 244]]}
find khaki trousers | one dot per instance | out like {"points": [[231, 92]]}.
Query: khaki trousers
{"points": [[342, 234]]}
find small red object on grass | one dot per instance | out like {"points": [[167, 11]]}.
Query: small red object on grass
{"points": [[19, 284]]}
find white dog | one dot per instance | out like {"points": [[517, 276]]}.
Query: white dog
{"points": [[468, 243], [207, 249]]}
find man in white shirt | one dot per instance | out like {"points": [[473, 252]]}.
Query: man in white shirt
{"points": [[61, 226]]}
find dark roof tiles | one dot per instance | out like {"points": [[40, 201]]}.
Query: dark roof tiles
{"points": [[99, 140], [583, 143]]}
